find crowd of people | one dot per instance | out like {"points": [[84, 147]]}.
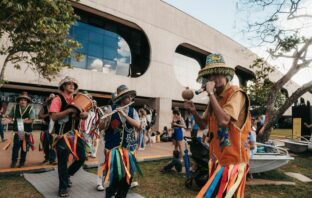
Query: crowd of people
{"points": [[119, 130]]}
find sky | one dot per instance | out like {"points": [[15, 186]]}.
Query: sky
{"points": [[223, 16]]}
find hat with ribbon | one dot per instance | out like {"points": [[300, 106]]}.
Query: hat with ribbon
{"points": [[123, 92], [23, 95], [215, 65], [66, 80]]}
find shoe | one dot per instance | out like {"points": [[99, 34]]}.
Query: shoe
{"points": [[53, 163], [13, 165], [134, 184], [21, 165], [93, 155], [63, 193], [45, 162], [69, 183], [100, 187]]}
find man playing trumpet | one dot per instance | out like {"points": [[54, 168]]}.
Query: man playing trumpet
{"points": [[229, 123], [119, 143]]}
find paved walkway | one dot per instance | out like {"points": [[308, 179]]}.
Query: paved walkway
{"points": [[84, 184], [34, 158]]}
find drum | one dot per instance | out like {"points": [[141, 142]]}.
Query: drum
{"points": [[82, 103]]}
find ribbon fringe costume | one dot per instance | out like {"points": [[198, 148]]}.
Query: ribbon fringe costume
{"points": [[229, 153], [120, 161]]}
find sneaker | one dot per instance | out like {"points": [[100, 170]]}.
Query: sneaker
{"points": [[93, 155], [100, 187], [134, 184], [13, 165], [63, 193]]}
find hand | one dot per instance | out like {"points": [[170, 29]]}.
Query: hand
{"points": [[121, 112], [83, 115], [25, 120], [189, 105], [72, 110], [5, 121], [210, 86]]}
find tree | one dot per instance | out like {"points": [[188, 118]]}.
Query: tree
{"points": [[287, 42], [35, 32]]}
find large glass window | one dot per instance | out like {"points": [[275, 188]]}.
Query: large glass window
{"points": [[102, 50], [186, 70]]}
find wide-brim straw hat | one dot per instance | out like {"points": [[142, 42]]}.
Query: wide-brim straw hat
{"points": [[24, 95], [123, 92], [66, 80], [215, 65]]}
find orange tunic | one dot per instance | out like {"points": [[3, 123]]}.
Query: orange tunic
{"points": [[229, 153]]}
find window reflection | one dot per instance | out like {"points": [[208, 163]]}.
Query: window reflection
{"points": [[186, 70], [102, 50]]}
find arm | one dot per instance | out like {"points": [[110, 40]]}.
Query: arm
{"points": [[60, 115], [42, 115], [200, 120], [131, 121], [181, 125], [223, 118]]}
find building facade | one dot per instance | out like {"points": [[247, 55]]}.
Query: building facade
{"points": [[149, 46]]}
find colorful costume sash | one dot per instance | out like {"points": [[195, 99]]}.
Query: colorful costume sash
{"points": [[229, 152]]}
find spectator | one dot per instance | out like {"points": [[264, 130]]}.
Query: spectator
{"points": [[175, 162], [1, 125]]}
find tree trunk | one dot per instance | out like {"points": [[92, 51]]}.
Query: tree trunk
{"points": [[3, 70], [273, 116]]}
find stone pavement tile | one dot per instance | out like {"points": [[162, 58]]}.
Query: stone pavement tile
{"points": [[84, 184], [260, 182], [299, 176]]}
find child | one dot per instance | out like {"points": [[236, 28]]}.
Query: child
{"points": [[175, 162]]}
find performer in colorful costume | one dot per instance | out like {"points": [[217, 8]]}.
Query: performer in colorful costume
{"points": [[120, 163], [46, 139], [229, 124], [67, 139], [22, 115]]}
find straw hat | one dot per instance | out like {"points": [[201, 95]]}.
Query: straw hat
{"points": [[24, 95], [122, 92], [66, 80], [215, 65]]}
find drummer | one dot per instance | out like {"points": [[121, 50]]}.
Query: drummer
{"points": [[66, 130], [22, 115], [119, 142]]}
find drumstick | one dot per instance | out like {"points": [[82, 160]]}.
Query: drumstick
{"points": [[111, 113]]}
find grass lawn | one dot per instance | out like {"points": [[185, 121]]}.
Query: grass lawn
{"points": [[156, 184]]}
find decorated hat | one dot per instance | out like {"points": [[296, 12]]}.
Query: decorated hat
{"points": [[215, 65], [24, 95], [122, 92], [66, 80]]}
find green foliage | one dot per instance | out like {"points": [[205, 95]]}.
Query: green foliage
{"points": [[289, 43], [36, 32], [260, 88]]}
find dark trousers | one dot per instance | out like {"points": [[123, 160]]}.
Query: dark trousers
{"points": [[194, 132], [17, 145], [176, 163], [118, 188], [1, 131], [62, 154], [49, 153]]}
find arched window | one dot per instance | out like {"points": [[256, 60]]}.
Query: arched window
{"points": [[102, 50], [188, 60], [110, 44]]}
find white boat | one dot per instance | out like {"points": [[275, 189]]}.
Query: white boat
{"points": [[262, 162], [299, 145]]}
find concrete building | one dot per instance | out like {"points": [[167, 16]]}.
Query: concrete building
{"points": [[149, 46]]}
